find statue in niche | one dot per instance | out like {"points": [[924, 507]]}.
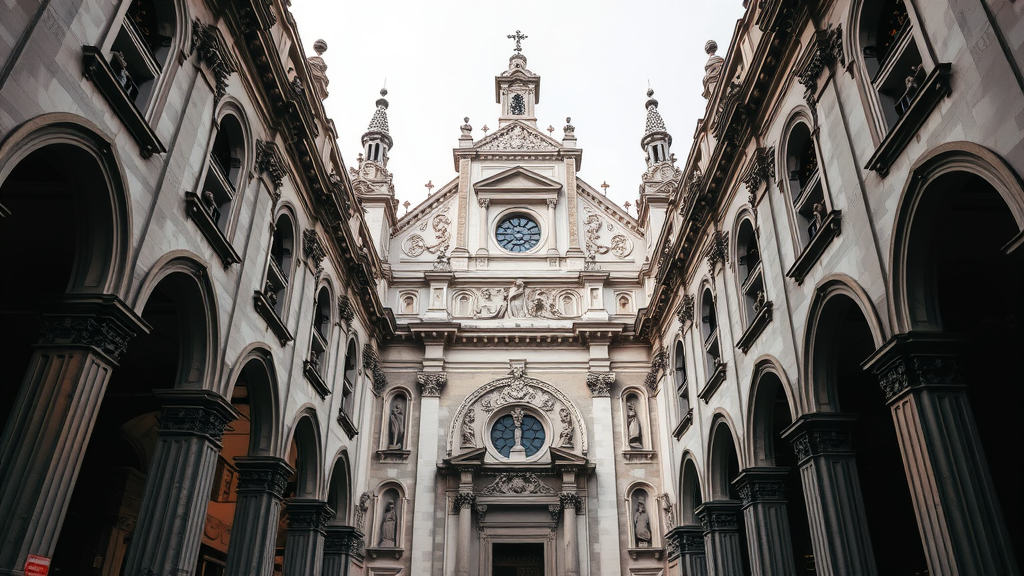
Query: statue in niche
{"points": [[642, 524], [565, 436], [634, 433], [468, 434], [517, 417], [389, 526], [396, 427]]}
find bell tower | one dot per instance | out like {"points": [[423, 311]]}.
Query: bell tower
{"points": [[517, 89]]}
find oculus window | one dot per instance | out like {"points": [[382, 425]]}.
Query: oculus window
{"points": [[517, 233]]}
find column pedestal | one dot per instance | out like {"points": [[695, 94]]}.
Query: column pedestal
{"points": [[720, 519], [823, 445], [763, 491], [261, 485], [44, 442], [342, 545], [957, 510], [304, 547], [173, 510]]}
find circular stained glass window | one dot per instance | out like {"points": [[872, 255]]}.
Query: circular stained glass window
{"points": [[517, 233], [503, 435]]}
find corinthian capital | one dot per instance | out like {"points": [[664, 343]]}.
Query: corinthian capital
{"points": [[431, 383]]}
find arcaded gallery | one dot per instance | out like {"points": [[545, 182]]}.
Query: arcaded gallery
{"points": [[227, 353]]}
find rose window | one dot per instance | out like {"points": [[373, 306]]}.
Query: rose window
{"points": [[517, 233], [503, 435]]}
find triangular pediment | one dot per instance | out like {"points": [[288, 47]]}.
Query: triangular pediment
{"points": [[518, 137], [518, 179], [562, 457], [474, 457]]}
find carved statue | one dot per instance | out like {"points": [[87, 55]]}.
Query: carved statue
{"points": [[517, 300], [389, 526], [642, 525], [565, 436], [635, 434], [396, 428], [468, 434], [517, 417]]}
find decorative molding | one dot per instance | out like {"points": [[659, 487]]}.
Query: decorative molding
{"points": [[517, 484], [415, 244], [269, 162], [718, 250], [361, 509], [822, 442], [306, 514], [108, 336], [762, 169], [826, 51], [371, 364], [345, 309], [719, 516], [571, 500], [516, 138], [258, 475], [343, 540], [685, 310], [658, 363], [209, 49], [194, 420], [762, 491], [431, 383], [313, 248], [463, 500], [620, 246], [600, 383]]}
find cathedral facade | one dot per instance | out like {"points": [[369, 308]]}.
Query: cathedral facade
{"points": [[226, 354]]}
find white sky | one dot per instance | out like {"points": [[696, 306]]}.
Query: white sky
{"points": [[440, 57]]}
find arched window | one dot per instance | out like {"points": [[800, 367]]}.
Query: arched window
{"points": [[709, 330], [748, 267], [349, 384], [279, 267], [220, 184], [319, 340], [139, 52], [682, 383], [805, 185], [891, 56]]}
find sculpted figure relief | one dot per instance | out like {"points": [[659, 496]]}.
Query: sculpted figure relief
{"points": [[468, 434], [633, 430], [389, 526], [396, 427], [565, 436], [642, 525]]}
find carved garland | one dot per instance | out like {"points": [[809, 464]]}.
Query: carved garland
{"points": [[518, 484]]}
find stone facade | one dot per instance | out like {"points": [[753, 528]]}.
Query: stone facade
{"points": [[228, 355]]}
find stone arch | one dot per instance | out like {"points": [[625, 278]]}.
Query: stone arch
{"points": [[494, 395], [339, 491], [103, 247], [306, 453], [818, 393], [255, 367], [768, 380], [723, 456], [907, 278], [199, 355], [690, 494]]}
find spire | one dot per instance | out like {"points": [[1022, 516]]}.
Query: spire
{"points": [[656, 140], [377, 141], [517, 89]]}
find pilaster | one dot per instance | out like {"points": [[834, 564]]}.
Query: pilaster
{"points": [[603, 454], [261, 485], [957, 509], [173, 510], [422, 557]]}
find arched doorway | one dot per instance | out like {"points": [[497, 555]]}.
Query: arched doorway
{"points": [[105, 507], [300, 538], [725, 530]]}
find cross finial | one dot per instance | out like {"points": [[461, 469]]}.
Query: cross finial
{"points": [[429, 186], [605, 185], [518, 37]]}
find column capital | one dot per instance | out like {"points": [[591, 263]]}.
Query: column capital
{"points": [[762, 484], [600, 383], [342, 540], [821, 434], [719, 515], [685, 540], [100, 322], [263, 474], [431, 383], [917, 360], [194, 412], [308, 514], [571, 501], [463, 500]]}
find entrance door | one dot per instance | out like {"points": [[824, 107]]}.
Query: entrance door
{"points": [[518, 559]]}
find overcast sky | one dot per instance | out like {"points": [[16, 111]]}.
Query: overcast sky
{"points": [[439, 58]]}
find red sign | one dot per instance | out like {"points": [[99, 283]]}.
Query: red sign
{"points": [[36, 565]]}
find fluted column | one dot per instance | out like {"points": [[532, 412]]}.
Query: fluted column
{"points": [[341, 545], [572, 504], [720, 519], [823, 445], [464, 503], [44, 442], [957, 509], [304, 547], [687, 543], [173, 509], [261, 485], [763, 492]]}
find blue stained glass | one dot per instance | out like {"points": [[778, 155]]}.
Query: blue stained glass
{"points": [[503, 435], [517, 233]]}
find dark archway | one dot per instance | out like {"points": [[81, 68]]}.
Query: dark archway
{"points": [[724, 467]]}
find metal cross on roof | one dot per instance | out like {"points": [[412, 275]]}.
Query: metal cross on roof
{"points": [[518, 37]]}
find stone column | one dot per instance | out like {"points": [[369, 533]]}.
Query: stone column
{"points": [[552, 244], [44, 442], [464, 504], [341, 545], [304, 547], [957, 510], [484, 232], [431, 384], [603, 455], [720, 519], [823, 445], [261, 485], [687, 543], [763, 491], [173, 509], [572, 504]]}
